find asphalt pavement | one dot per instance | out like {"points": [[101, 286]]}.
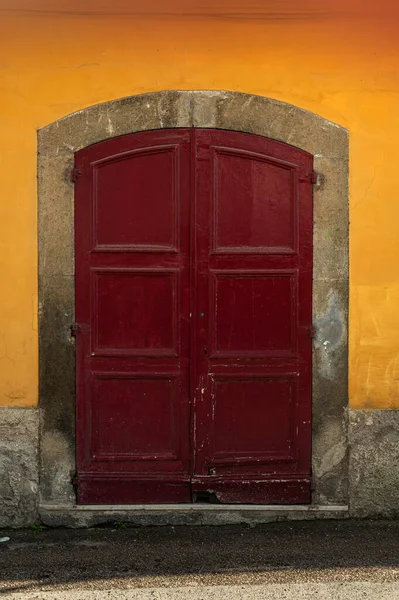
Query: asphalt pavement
{"points": [[337, 560]]}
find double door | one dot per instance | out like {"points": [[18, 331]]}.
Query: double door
{"points": [[193, 314]]}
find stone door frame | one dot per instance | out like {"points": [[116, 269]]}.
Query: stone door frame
{"points": [[233, 111]]}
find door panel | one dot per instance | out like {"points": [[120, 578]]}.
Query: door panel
{"points": [[268, 301], [125, 322], [125, 187], [253, 202], [120, 398], [193, 304], [253, 419], [132, 306], [253, 312]]}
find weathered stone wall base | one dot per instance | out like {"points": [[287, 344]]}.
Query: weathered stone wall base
{"points": [[19, 479], [374, 463], [373, 481]]}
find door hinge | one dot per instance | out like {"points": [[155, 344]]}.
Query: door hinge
{"points": [[74, 329], [75, 480], [312, 331], [310, 177], [75, 174]]}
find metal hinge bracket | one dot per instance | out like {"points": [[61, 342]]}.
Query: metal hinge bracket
{"points": [[75, 174], [312, 331], [310, 177], [74, 329]]}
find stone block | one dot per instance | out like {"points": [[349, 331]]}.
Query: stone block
{"points": [[374, 463], [19, 479]]}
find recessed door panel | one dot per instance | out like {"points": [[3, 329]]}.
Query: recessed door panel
{"points": [[135, 417], [135, 312], [253, 420], [254, 202], [125, 188], [255, 313]]}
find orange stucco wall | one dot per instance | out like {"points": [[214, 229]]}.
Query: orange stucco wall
{"points": [[58, 57]]}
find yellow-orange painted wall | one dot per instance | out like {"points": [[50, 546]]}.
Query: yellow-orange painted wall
{"points": [[343, 67]]}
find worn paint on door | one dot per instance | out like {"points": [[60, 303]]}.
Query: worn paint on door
{"points": [[193, 305]]}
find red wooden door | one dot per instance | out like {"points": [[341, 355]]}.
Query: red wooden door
{"points": [[132, 306], [253, 294], [193, 309]]}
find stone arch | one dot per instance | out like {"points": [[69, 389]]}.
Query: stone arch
{"points": [[248, 113]]}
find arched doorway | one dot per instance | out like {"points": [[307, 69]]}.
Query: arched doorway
{"points": [[230, 111]]}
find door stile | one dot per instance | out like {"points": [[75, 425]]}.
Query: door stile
{"points": [[193, 387], [201, 303], [196, 377]]}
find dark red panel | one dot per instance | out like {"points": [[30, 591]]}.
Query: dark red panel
{"points": [[126, 188], [255, 313], [254, 419], [135, 417], [135, 311], [254, 202]]}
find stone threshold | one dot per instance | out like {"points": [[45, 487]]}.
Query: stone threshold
{"points": [[75, 516]]}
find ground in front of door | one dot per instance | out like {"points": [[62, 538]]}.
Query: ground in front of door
{"points": [[324, 560]]}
